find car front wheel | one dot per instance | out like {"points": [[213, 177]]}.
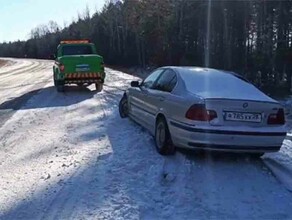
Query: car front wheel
{"points": [[163, 140], [123, 107]]}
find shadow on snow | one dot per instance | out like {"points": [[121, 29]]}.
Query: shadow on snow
{"points": [[71, 96]]}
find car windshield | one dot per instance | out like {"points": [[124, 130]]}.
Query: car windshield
{"points": [[76, 50]]}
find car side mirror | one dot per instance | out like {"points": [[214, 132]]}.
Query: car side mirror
{"points": [[135, 84]]}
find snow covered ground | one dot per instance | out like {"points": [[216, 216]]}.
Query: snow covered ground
{"points": [[70, 156]]}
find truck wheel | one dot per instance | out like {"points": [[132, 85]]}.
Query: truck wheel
{"points": [[59, 85], [98, 87], [55, 81], [123, 107], [60, 88]]}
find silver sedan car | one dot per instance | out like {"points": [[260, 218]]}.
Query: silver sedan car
{"points": [[202, 108]]}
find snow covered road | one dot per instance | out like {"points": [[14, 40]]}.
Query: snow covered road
{"points": [[70, 156]]}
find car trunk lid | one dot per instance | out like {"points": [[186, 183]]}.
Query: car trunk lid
{"points": [[232, 112]]}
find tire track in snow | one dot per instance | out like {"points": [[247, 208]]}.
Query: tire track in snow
{"points": [[23, 75], [51, 99], [20, 68], [280, 171], [280, 164], [21, 71], [20, 64], [13, 97], [64, 203]]}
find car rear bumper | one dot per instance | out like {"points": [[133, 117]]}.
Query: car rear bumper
{"points": [[83, 78], [236, 139], [72, 81]]}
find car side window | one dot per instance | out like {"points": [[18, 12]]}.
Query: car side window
{"points": [[166, 81], [151, 79]]}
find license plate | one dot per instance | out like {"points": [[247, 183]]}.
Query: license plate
{"points": [[82, 68], [241, 116]]}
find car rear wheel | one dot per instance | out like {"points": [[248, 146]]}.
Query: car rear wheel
{"points": [[98, 87], [163, 140], [123, 107], [59, 85]]}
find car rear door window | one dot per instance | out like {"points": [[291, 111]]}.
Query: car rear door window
{"points": [[166, 81], [151, 79]]}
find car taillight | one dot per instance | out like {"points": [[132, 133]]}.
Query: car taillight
{"points": [[198, 112], [62, 68], [277, 119]]}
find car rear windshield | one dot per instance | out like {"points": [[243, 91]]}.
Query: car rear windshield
{"points": [[218, 84], [77, 50]]}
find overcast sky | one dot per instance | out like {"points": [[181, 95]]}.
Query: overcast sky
{"points": [[18, 17]]}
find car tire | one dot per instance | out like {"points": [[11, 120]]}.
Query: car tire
{"points": [[55, 81], [59, 85], [60, 88], [163, 140], [123, 107], [98, 87]]}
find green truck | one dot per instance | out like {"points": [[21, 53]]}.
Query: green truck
{"points": [[77, 62]]}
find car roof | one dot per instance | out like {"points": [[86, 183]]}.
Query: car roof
{"points": [[213, 83]]}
